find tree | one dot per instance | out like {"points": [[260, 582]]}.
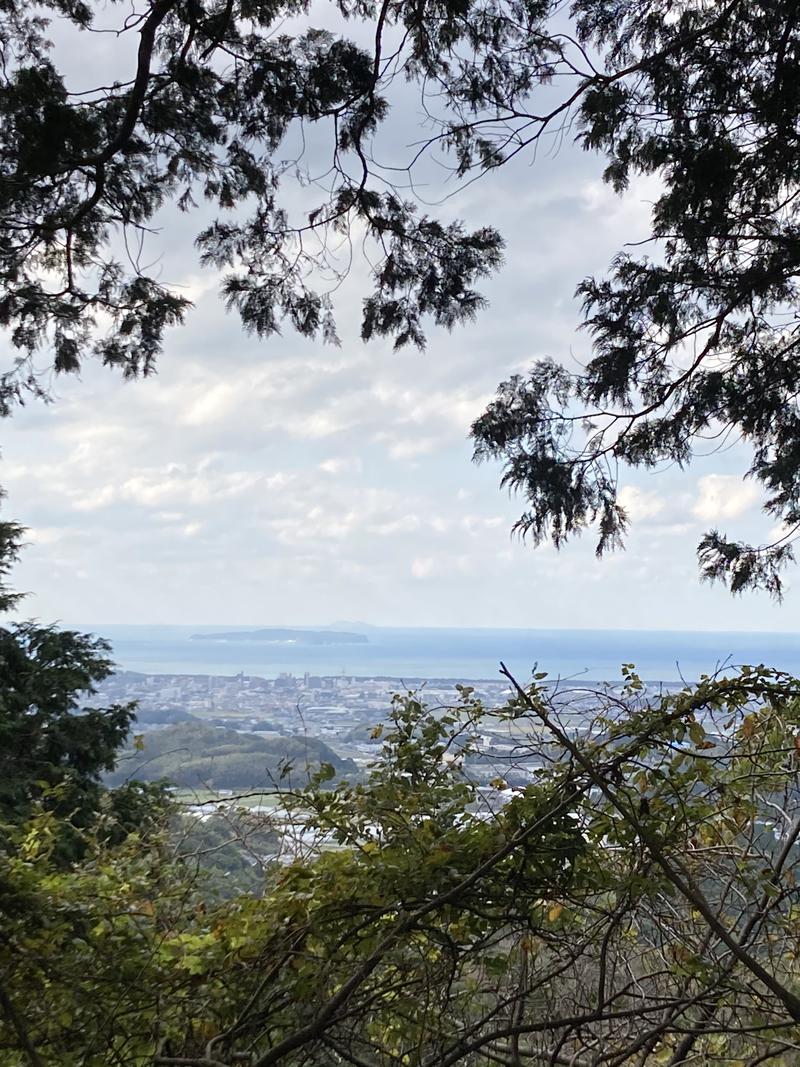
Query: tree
{"points": [[53, 748], [11, 534], [82, 976], [697, 339], [634, 903], [209, 98]]}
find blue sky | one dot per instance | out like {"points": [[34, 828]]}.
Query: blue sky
{"points": [[286, 482]]}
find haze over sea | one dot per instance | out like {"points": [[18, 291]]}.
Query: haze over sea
{"points": [[453, 653]]}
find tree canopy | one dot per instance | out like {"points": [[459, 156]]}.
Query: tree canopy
{"points": [[201, 111], [693, 339], [54, 748], [634, 903], [11, 534]]}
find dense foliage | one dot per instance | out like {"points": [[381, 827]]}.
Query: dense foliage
{"points": [[636, 902], [694, 339], [228, 852], [11, 534], [200, 112], [54, 748]]}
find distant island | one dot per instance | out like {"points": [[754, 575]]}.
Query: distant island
{"points": [[281, 636]]}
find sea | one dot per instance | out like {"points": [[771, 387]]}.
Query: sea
{"points": [[458, 654]]}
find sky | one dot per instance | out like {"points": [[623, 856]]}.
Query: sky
{"points": [[286, 482]]}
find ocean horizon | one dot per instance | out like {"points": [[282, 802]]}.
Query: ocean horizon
{"points": [[464, 654]]}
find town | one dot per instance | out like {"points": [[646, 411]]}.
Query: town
{"points": [[339, 710]]}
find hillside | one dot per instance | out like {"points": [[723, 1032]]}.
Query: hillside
{"points": [[195, 755]]}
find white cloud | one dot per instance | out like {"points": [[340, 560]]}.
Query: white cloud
{"points": [[630, 212], [44, 535], [341, 465], [674, 529], [405, 524], [174, 484], [724, 496], [473, 523], [194, 286], [422, 567], [640, 504], [211, 405], [151, 490], [93, 499], [412, 447], [452, 408]]}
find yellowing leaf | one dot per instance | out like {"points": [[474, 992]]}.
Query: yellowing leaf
{"points": [[697, 733]]}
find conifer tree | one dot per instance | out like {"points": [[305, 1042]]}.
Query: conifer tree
{"points": [[693, 336]]}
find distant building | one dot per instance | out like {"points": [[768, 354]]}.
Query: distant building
{"points": [[285, 681]]}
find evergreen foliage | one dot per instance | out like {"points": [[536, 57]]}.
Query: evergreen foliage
{"points": [[694, 339], [11, 534], [200, 115], [53, 748]]}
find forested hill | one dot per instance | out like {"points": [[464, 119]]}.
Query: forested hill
{"points": [[199, 756]]}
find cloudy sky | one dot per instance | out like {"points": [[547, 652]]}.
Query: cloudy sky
{"points": [[286, 482]]}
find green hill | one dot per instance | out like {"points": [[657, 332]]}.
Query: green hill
{"points": [[195, 755]]}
